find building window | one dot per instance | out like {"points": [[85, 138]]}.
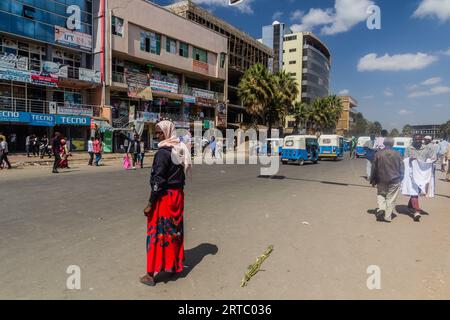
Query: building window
{"points": [[184, 50], [151, 42], [200, 55], [294, 74], [117, 26], [171, 45], [290, 38], [28, 12], [292, 62], [222, 60], [293, 50]]}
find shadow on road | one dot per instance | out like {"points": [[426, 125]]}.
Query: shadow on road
{"points": [[343, 184], [193, 257]]}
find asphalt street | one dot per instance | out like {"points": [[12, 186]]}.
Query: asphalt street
{"points": [[317, 217]]}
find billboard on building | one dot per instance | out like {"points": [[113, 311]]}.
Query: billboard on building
{"points": [[73, 39]]}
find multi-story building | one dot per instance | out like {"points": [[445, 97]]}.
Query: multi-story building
{"points": [[50, 77], [433, 130], [273, 37], [347, 118], [163, 66], [243, 52], [308, 60]]}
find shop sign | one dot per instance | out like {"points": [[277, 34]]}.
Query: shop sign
{"points": [[89, 75], [15, 75], [44, 78], [73, 120], [13, 62], [208, 124], [148, 116], [188, 99], [205, 102], [78, 145], [138, 85], [14, 116], [200, 93], [221, 112], [42, 119], [181, 124], [73, 39], [75, 110], [56, 69], [163, 86]]}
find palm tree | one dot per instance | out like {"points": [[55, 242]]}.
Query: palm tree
{"points": [[407, 130], [303, 114], [285, 93], [256, 91], [334, 107]]}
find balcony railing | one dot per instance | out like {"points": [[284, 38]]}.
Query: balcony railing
{"points": [[119, 77], [42, 106]]}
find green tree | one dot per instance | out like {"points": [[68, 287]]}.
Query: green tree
{"points": [[256, 91], [407, 130], [359, 126], [445, 130], [285, 93], [394, 133]]}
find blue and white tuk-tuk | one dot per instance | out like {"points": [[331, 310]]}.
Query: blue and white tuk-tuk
{"points": [[300, 149], [347, 144], [331, 147], [360, 152], [401, 143]]}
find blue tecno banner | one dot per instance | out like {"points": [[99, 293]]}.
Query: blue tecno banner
{"points": [[40, 119], [14, 116], [73, 120]]}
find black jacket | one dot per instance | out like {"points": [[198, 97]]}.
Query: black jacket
{"points": [[134, 146], [388, 167], [165, 174]]}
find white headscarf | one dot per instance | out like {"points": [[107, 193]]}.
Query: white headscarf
{"points": [[180, 153]]}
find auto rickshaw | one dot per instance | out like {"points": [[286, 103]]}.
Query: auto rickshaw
{"points": [[360, 152], [300, 148], [401, 143], [331, 147]]}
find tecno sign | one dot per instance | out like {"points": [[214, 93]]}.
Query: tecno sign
{"points": [[9, 114], [44, 117], [77, 121]]}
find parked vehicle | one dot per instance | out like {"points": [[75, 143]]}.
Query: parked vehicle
{"points": [[277, 146], [360, 152], [331, 147], [401, 143], [299, 149]]}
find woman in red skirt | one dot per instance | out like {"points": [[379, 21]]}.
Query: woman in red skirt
{"points": [[164, 212]]}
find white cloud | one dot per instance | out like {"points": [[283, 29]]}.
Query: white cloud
{"points": [[447, 53], [431, 92], [244, 7], [398, 62], [388, 92], [405, 112], [344, 16], [434, 8], [277, 15], [297, 15], [431, 81], [344, 92]]}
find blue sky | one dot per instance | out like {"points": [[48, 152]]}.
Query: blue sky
{"points": [[399, 74]]}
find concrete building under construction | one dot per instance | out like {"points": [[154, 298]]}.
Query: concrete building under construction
{"points": [[243, 52]]}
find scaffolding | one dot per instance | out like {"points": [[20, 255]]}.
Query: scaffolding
{"points": [[243, 50]]}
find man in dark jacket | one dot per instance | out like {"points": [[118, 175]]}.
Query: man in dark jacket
{"points": [[135, 149], [387, 174]]}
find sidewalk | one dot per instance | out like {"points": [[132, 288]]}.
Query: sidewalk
{"points": [[21, 159]]}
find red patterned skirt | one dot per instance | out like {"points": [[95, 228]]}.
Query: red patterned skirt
{"points": [[165, 244]]}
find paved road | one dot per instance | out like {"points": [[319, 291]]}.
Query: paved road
{"points": [[92, 217]]}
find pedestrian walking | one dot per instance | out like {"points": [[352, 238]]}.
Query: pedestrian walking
{"points": [[416, 168], [212, 146], [91, 151], [379, 141], [28, 145], [56, 149], [35, 145], [353, 144], [443, 147], [142, 154], [447, 159], [4, 153], [370, 155], [387, 175], [43, 147], [165, 210], [134, 149], [98, 149], [13, 142]]}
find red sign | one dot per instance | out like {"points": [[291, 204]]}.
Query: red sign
{"points": [[199, 66], [43, 79]]}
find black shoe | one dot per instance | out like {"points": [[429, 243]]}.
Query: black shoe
{"points": [[55, 171], [417, 217], [380, 215]]}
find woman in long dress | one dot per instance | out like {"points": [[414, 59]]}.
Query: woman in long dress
{"points": [[164, 212]]}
